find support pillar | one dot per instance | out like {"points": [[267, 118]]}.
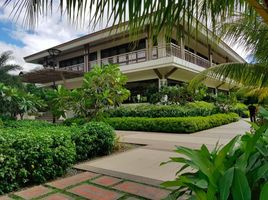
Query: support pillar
{"points": [[210, 56], [162, 82], [99, 57], [149, 47], [86, 58], [162, 45], [182, 46]]}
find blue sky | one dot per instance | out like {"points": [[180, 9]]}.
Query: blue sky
{"points": [[22, 42]]}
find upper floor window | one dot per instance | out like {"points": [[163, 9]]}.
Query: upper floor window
{"points": [[124, 48]]}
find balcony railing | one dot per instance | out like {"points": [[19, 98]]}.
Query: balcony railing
{"points": [[143, 55]]}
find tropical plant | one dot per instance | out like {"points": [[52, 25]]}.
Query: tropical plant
{"points": [[178, 94], [14, 101], [237, 170], [6, 68], [251, 77], [102, 88], [139, 13]]}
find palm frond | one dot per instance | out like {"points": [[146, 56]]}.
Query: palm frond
{"points": [[245, 74], [4, 57], [9, 67], [158, 14], [252, 34]]}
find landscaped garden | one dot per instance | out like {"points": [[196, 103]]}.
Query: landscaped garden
{"points": [[32, 152]]}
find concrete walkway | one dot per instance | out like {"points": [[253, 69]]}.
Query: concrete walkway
{"points": [[142, 164]]}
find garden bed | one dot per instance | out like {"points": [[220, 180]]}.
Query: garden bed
{"points": [[171, 124]]}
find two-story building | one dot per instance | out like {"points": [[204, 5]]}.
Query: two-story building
{"points": [[168, 60]]}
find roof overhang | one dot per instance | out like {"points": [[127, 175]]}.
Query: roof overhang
{"points": [[49, 75]]}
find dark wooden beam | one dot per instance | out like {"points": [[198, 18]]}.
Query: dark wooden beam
{"points": [[171, 72], [220, 85], [157, 72]]}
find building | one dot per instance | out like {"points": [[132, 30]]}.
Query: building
{"points": [[167, 61]]}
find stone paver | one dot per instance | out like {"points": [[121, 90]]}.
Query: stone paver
{"points": [[4, 198], [73, 180], [58, 196], [33, 192], [106, 180], [143, 190], [95, 193]]}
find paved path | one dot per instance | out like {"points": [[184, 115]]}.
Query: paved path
{"points": [[143, 162]]}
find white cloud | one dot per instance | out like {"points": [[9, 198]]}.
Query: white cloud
{"points": [[50, 31]]}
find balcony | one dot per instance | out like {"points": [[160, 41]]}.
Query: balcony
{"points": [[143, 55]]}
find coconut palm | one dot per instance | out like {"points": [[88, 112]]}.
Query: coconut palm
{"points": [[253, 77], [170, 13], [6, 68]]}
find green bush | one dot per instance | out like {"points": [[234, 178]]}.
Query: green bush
{"points": [[155, 111], [75, 121], [33, 152], [94, 138], [171, 124], [32, 156], [241, 109], [237, 170], [26, 124]]}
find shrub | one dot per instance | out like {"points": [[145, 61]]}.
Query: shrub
{"points": [[32, 152], [237, 170], [171, 124], [32, 156], [155, 111], [26, 124], [241, 109], [94, 138], [75, 121]]}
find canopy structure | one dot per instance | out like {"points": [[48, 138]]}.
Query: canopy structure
{"points": [[48, 75]]}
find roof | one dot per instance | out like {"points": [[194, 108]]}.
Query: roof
{"points": [[49, 75], [110, 32]]}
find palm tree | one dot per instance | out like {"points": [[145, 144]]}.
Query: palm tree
{"points": [[253, 77], [171, 13], [6, 68]]}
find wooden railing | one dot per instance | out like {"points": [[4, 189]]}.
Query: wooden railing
{"points": [[145, 55]]}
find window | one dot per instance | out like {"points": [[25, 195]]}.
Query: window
{"points": [[124, 48]]}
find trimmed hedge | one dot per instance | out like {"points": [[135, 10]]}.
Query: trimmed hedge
{"points": [[33, 152], [94, 138], [156, 111], [171, 124], [33, 156]]}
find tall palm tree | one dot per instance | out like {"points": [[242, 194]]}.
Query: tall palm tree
{"points": [[253, 77], [6, 68]]}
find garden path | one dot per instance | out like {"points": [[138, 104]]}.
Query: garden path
{"points": [[142, 163]]}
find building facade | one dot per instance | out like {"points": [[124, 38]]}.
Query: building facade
{"points": [[166, 60]]}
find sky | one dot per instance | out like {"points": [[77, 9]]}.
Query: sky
{"points": [[50, 31]]}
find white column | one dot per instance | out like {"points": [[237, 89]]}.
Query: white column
{"points": [[86, 60], [162, 45], [182, 46], [149, 47], [162, 82], [99, 57]]}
